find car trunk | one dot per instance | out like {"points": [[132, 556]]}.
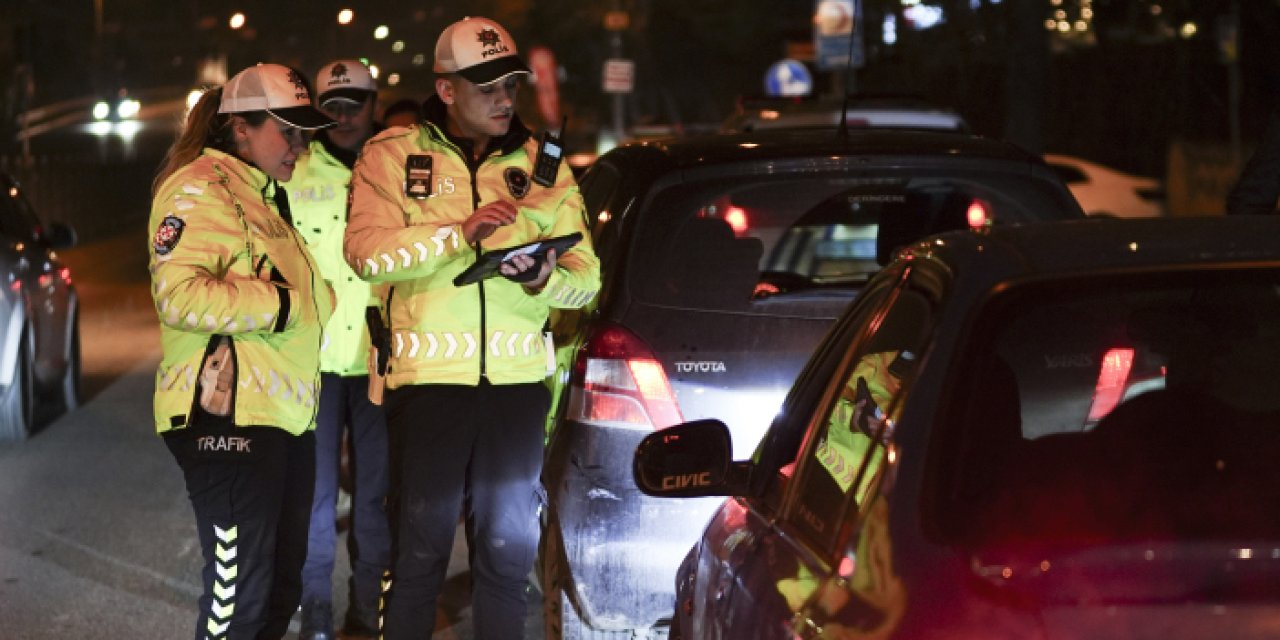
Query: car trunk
{"points": [[733, 365]]}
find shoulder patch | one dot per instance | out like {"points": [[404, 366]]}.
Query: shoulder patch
{"points": [[517, 181], [168, 235]]}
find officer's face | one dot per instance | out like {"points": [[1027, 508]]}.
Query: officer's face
{"points": [[273, 147], [355, 122], [479, 112]]}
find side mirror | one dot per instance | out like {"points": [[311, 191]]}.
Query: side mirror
{"points": [[687, 460], [60, 235]]}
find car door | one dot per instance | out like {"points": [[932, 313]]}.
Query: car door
{"points": [[42, 279], [765, 558], [831, 502]]}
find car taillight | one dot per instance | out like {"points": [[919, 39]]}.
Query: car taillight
{"points": [[737, 218], [1112, 378], [617, 381], [978, 215]]}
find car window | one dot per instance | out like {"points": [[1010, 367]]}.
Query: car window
{"points": [[741, 242], [599, 187], [1069, 174], [1130, 408], [845, 452]]}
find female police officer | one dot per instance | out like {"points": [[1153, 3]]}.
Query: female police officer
{"points": [[242, 311]]}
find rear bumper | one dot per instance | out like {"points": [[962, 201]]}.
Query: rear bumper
{"points": [[622, 547]]}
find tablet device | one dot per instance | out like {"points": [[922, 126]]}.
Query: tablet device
{"points": [[487, 265]]}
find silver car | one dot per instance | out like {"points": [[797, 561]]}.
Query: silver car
{"points": [[39, 316]]}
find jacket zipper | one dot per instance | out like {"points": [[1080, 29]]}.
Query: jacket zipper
{"points": [[473, 168]]}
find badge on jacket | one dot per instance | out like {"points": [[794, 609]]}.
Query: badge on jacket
{"points": [[517, 182], [167, 235], [417, 176]]}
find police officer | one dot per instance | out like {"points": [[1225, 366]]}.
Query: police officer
{"points": [[466, 395], [347, 92], [242, 309]]}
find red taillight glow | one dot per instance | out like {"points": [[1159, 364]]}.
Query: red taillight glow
{"points": [[737, 218], [618, 380], [65, 274], [977, 215], [1112, 378]]}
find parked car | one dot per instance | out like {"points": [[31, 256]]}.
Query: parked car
{"points": [[865, 111], [1103, 191], [1053, 431], [39, 315], [724, 260]]}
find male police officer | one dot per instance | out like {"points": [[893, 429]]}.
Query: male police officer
{"points": [[346, 92], [467, 363]]}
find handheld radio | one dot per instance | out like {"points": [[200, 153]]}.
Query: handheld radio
{"points": [[550, 153]]}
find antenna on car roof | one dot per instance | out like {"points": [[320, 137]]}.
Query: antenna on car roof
{"points": [[848, 83]]}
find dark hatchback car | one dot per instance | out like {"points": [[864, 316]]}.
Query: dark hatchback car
{"points": [[724, 261], [39, 321], [1064, 431]]}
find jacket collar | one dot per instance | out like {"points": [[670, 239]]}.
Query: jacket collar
{"points": [[436, 114], [346, 157], [245, 172]]}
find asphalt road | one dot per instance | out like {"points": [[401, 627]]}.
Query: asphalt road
{"points": [[97, 539]]}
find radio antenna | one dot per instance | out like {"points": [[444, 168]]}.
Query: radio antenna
{"points": [[848, 81]]}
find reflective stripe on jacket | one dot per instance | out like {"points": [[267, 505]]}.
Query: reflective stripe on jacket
{"points": [[447, 334], [211, 269], [318, 199]]}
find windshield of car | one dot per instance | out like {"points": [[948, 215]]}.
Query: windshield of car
{"points": [[740, 242], [1125, 409]]}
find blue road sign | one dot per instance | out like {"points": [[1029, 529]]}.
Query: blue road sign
{"points": [[788, 77]]}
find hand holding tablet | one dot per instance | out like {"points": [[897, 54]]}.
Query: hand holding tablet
{"points": [[490, 261]]}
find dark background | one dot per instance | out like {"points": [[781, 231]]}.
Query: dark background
{"points": [[1119, 96]]}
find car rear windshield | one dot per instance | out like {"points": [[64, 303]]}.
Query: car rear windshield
{"points": [[740, 242], [1125, 409]]}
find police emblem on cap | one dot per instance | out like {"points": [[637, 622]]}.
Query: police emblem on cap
{"points": [[167, 235], [517, 181]]}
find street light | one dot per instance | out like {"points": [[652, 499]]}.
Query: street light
{"points": [[381, 32], [345, 16], [237, 20]]}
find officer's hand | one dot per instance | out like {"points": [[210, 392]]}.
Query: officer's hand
{"points": [[486, 219], [530, 271]]}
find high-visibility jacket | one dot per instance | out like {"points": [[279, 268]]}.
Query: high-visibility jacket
{"points": [[454, 335], [318, 199], [223, 262]]}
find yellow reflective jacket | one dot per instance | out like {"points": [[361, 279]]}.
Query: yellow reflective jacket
{"points": [[218, 239], [454, 335], [318, 199]]}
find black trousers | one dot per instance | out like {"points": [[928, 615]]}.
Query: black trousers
{"points": [[345, 407], [251, 490], [475, 451]]}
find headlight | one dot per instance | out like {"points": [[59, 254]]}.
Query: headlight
{"points": [[101, 110], [128, 108]]}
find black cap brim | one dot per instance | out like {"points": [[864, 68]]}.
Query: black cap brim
{"points": [[357, 96], [302, 117], [494, 70]]}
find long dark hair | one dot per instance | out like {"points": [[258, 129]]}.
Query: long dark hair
{"points": [[205, 127]]}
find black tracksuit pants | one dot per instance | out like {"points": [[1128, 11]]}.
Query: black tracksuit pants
{"points": [[251, 491], [475, 451]]}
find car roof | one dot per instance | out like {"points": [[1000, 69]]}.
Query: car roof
{"points": [[706, 149], [1100, 246], [865, 110]]}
